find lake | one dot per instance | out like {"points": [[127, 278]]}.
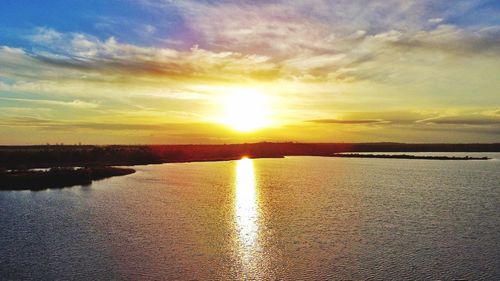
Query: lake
{"points": [[304, 218]]}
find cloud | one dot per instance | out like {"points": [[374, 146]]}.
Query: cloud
{"points": [[148, 29], [318, 25], [318, 39], [275, 40], [74, 104], [373, 64], [435, 20], [24, 121], [452, 39], [415, 119], [83, 55], [45, 35], [200, 130]]}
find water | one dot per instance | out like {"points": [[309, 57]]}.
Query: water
{"points": [[304, 218]]}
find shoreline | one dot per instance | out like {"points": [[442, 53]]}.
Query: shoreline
{"points": [[62, 177], [54, 166], [57, 178], [407, 156], [49, 156]]}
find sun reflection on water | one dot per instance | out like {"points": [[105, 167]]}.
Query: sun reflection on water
{"points": [[246, 212]]}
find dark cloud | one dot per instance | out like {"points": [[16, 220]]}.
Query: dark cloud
{"points": [[474, 120], [124, 66], [337, 121], [412, 119], [387, 118], [393, 117]]}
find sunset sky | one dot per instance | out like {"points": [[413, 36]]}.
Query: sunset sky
{"points": [[144, 71]]}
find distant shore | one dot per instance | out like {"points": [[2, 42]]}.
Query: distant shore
{"points": [[48, 156], [57, 177], [405, 156], [16, 162]]}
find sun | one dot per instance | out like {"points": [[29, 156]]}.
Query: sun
{"points": [[246, 110]]}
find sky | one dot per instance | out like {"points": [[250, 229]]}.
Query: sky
{"points": [[164, 72]]}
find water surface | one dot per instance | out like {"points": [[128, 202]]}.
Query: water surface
{"points": [[292, 218]]}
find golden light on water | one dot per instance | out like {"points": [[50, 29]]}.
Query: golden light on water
{"points": [[246, 212], [246, 110]]}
